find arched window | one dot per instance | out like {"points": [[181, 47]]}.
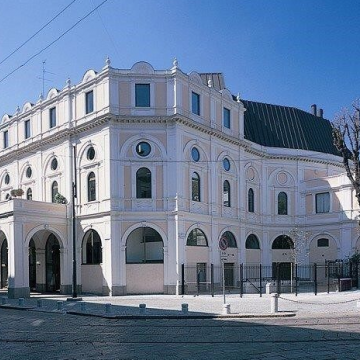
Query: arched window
{"points": [[54, 190], [282, 204], [251, 201], [91, 251], [144, 245], [91, 187], [195, 187], [283, 242], [252, 242], [229, 236], [196, 238], [143, 183], [29, 194], [226, 194]]}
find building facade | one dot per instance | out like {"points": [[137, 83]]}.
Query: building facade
{"points": [[166, 164]]}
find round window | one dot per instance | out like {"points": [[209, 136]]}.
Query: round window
{"points": [[54, 164], [195, 154], [90, 153], [7, 179], [28, 172], [226, 164], [143, 148]]}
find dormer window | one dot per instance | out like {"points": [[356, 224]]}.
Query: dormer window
{"points": [[142, 95], [89, 102], [52, 117], [27, 129], [6, 139], [195, 103]]}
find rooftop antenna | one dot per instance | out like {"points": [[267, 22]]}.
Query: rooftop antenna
{"points": [[42, 77]]}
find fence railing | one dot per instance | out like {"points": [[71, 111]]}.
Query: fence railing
{"points": [[278, 277]]}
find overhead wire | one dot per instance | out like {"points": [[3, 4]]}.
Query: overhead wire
{"points": [[37, 32], [53, 42]]}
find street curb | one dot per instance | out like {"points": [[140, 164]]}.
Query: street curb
{"points": [[182, 317]]}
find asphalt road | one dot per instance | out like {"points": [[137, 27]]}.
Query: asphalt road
{"points": [[37, 335]]}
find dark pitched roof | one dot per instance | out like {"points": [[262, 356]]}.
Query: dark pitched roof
{"points": [[217, 79], [287, 127]]}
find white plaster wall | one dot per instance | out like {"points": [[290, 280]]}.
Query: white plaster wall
{"points": [[144, 278]]}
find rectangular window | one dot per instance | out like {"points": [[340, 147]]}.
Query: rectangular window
{"points": [[322, 203], [52, 114], [27, 129], [323, 242], [226, 115], [89, 102], [195, 103], [6, 139], [142, 95]]}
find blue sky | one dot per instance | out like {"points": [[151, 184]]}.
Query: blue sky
{"points": [[285, 52]]}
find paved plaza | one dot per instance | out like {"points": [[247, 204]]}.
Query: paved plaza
{"points": [[325, 326]]}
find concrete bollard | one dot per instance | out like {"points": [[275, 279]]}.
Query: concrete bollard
{"points": [[226, 309], [83, 306], [142, 308], [40, 303], [185, 308], [59, 305], [21, 301], [108, 308], [4, 300], [274, 303]]}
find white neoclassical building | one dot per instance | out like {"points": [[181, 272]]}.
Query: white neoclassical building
{"points": [[166, 164]]}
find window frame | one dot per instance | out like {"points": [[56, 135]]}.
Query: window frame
{"points": [[92, 248], [282, 196], [89, 102], [252, 239], [139, 101], [226, 118], [6, 139], [195, 185], [27, 129], [227, 192], [52, 117], [29, 194], [251, 200], [198, 234], [145, 186], [91, 187], [195, 103], [54, 190], [320, 203]]}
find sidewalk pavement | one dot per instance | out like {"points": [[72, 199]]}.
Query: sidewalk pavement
{"points": [[202, 306]]}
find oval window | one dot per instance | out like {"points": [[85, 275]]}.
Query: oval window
{"points": [[90, 153], [143, 148], [54, 164], [28, 172], [7, 179], [226, 164], [195, 154]]}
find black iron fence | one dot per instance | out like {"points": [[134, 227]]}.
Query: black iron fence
{"points": [[279, 277]]}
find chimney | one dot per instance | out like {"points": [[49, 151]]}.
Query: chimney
{"points": [[320, 113], [313, 109]]}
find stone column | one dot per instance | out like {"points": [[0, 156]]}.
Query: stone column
{"points": [[18, 270]]}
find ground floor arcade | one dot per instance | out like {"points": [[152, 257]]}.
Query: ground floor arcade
{"points": [[119, 255]]}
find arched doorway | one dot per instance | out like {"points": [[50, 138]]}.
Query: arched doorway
{"points": [[4, 263], [144, 262], [52, 255], [32, 265], [283, 257], [229, 263], [91, 270]]}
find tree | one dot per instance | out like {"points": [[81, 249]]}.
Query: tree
{"points": [[346, 135]]}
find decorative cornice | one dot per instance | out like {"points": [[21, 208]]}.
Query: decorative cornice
{"points": [[169, 120]]}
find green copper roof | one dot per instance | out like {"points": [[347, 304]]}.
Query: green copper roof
{"points": [[287, 127]]}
